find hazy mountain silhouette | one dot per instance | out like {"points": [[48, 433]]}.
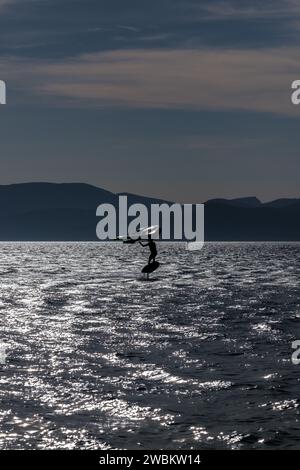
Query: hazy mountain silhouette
{"points": [[240, 202], [28, 197], [48, 211], [282, 203]]}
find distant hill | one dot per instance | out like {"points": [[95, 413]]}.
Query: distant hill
{"points": [[282, 203], [48, 211], [137, 199], [240, 202], [29, 197]]}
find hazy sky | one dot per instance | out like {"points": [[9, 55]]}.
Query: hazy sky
{"points": [[181, 99]]}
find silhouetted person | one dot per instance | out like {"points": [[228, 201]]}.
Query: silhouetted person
{"points": [[152, 247]]}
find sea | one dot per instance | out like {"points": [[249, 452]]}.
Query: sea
{"points": [[95, 356]]}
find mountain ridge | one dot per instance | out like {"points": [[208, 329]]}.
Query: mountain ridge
{"points": [[67, 211]]}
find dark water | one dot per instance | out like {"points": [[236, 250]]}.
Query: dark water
{"points": [[199, 357]]}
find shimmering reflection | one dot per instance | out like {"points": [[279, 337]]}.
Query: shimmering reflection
{"points": [[198, 358]]}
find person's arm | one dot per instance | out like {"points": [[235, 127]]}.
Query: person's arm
{"points": [[131, 240], [147, 244]]}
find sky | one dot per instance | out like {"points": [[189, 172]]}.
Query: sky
{"points": [[181, 99]]}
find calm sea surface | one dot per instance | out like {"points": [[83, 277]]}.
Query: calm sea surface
{"points": [[197, 358]]}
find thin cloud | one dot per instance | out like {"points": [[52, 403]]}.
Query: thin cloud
{"points": [[254, 10], [216, 80], [4, 3]]}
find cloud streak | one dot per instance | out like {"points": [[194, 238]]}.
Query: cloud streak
{"points": [[3, 3], [97, 25], [216, 80], [250, 10]]}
